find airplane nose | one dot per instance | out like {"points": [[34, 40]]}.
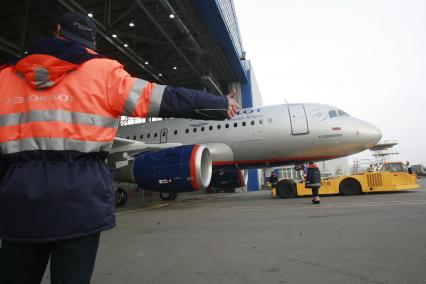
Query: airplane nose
{"points": [[369, 134]]}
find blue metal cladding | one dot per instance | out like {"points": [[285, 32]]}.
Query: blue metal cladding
{"points": [[167, 170], [246, 93], [212, 17], [253, 180], [253, 183]]}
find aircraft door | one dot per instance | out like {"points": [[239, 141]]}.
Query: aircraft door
{"points": [[163, 135], [298, 121]]}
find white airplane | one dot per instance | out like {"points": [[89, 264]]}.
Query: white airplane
{"points": [[183, 155]]}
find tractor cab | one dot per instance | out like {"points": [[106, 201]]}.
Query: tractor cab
{"points": [[395, 167]]}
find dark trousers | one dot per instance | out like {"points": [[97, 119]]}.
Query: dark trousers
{"points": [[71, 261], [315, 191]]}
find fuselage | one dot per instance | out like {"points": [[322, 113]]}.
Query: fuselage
{"points": [[267, 136]]}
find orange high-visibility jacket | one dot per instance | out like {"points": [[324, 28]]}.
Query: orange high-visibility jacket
{"points": [[59, 111], [67, 106]]}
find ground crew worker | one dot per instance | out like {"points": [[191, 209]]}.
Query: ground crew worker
{"points": [[60, 106], [273, 179], [410, 171], [313, 181]]}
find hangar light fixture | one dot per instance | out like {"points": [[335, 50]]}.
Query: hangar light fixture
{"points": [[159, 74], [131, 24], [146, 62], [90, 14], [174, 68], [172, 16], [125, 45], [114, 35]]}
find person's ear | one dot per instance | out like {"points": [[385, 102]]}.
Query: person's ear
{"points": [[58, 28]]}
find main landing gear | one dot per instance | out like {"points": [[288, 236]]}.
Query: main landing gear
{"points": [[121, 197], [168, 195]]}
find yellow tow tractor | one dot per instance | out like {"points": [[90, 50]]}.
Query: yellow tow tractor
{"points": [[393, 176]]}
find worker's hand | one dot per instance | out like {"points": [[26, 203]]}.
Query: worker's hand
{"points": [[232, 105]]}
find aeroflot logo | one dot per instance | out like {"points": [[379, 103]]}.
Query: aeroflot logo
{"points": [[247, 111], [36, 98]]}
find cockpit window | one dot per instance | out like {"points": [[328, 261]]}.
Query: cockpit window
{"points": [[342, 113], [332, 114]]}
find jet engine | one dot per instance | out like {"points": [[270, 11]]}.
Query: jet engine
{"points": [[228, 180], [179, 169]]}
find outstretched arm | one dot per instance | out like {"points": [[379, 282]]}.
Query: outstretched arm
{"points": [[187, 103], [139, 98]]}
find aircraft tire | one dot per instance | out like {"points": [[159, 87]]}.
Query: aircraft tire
{"points": [[286, 189], [167, 196], [121, 197], [349, 186]]}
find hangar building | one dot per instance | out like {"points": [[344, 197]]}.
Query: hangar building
{"points": [[188, 43]]}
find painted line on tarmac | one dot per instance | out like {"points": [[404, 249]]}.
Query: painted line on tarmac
{"points": [[347, 205], [277, 207]]}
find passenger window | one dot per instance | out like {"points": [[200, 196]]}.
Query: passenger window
{"points": [[332, 114], [218, 126], [155, 134], [227, 125], [187, 130], [202, 128], [141, 136], [128, 137], [175, 132], [210, 128], [252, 122], [134, 137], [260, 121], [149, 135], [235, 124], [195, 130], [244, 123]]}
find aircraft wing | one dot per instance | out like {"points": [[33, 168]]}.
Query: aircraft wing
{"points": [[219, 152], [124, 150], [122, 145]]}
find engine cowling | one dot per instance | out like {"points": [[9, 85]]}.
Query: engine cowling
{"points": [[229, 179], [179, 169]]}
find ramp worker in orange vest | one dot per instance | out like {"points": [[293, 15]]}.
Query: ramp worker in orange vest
{"points": [[60, 107]]}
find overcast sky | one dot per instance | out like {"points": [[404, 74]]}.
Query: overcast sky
{"points": [[366, 57]]}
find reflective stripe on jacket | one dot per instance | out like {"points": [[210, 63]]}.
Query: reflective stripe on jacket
{"points": [[59, 111], [80, 113]]}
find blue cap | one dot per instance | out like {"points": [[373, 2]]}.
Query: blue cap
{"points": [[78, 27]]}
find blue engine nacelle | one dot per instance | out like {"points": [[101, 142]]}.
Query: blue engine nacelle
{"points": [[179, 169]]}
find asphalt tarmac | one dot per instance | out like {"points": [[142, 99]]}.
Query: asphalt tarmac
{"points": [[253, 238]]}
